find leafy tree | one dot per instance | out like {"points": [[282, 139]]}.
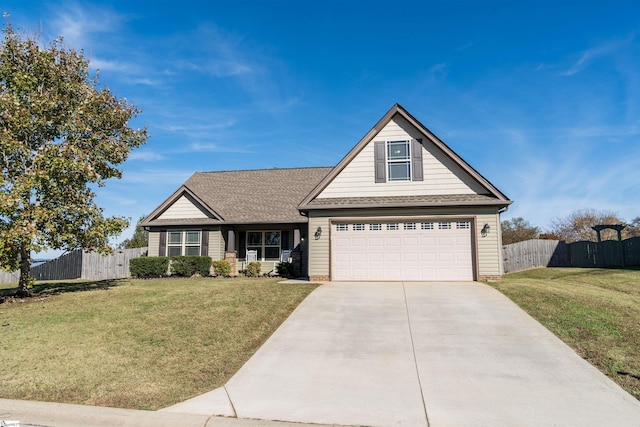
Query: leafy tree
{"points": [[577, 225], [517, 230], [140, 238], [61, 135], [634, 227]]}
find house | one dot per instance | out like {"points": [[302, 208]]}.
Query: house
{"points": [[401, 205]]}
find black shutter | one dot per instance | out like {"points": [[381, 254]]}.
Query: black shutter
{"points": [[284, 243], [416, 160], [380, 163], [242, 244], [163, 243], [204, 244]]}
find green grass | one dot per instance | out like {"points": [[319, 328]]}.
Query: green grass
{"points": [[143, 344], [595, 311]]}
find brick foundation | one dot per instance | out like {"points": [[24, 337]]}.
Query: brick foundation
{"points": [[490, 278], [319, 278]]}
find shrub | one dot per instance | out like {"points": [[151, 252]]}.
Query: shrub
{"points": [[285, 269], [187, 266], [222, 268], [253, 269], [149, 266]]}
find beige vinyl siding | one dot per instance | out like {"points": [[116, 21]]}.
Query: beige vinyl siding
{"points": [[487, 249], [319, 249], [216, 244], [154, 243], [184, 207], [441, 174]]}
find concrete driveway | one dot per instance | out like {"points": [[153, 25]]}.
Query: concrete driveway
{"points": [[417, 354]]}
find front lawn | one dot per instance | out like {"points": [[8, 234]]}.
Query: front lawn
{"points": [[595, 311], [143, 344]]}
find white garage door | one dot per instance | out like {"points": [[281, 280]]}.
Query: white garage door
{"points": [[429, 250]]}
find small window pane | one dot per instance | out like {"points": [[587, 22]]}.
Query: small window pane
{"points": [[272, 238], [174, 251], [272, 253], [175, 237], [342, 227], [375, 227], [358, 227], [398, 150], [192, 250], [426, 226], [254, 238], [399, 171], [444, 226], [463, 225], [392, 226], [409, 225], [193, 237]]}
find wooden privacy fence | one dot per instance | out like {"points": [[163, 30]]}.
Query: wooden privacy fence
{"points": [[553, 253], [83, 265]]}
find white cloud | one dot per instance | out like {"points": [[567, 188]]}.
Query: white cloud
{"points": [[147, 156], [591, 54]]}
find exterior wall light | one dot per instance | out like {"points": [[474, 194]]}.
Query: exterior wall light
{"points": [[318, 233], [485, 229]]}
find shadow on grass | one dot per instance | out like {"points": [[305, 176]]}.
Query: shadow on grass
{"points": [[61, 287]]}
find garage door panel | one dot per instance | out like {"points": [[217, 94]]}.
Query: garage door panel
{"points": [[405, 251]]}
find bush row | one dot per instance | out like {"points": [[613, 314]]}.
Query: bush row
{"points": [[187, 266]]}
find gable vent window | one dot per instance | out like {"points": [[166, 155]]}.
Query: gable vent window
{"points": [[399, 160], [183, 242]]}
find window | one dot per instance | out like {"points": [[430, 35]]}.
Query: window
{"points": [[444, 226], [265, 243], [183, 242], [342, 227], [392, 226], [398, 161], [426, 226], [409, 225], [463, 225], [358, 227], [375, 227]]}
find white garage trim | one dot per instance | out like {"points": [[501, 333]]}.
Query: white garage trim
{"points": [[432, 249]]}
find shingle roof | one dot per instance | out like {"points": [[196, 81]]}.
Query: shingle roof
{"points": [[248, 196], [402, 201]]}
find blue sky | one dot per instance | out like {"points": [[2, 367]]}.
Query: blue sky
{"points": [[541, 97]]}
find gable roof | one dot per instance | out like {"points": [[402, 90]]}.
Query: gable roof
{"points": [[245, 196], [492, 197]]}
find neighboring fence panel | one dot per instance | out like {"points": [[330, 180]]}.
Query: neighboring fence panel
{"points": [[632, 251], [8, 277], [534, 253], [67, 266], [114, 266]]}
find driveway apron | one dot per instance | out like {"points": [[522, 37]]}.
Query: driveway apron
{"points": [[417, 354]]}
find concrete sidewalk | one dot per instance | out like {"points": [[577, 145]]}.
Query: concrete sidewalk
{"points": [[417, 354]]}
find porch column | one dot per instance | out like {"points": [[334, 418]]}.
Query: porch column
{"points": [[231, 240]]}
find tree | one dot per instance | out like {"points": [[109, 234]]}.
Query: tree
{"points": [[518, 229], [140, 238], [634, 227], [61, 136], [577, 225]]}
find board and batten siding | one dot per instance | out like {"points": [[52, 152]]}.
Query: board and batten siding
{"points": [[184, 207], [441, 174], [216, 244], [487, 249]]}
